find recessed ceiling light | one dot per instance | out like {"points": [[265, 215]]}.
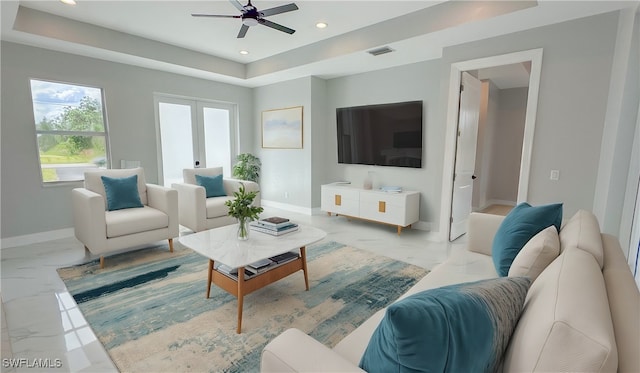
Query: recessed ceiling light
{"points": [[244, 52], [68, 2], [321, 25]]}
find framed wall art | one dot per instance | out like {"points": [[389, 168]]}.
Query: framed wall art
{"points": [[282, 128]]}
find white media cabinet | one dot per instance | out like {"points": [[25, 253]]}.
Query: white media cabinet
{"points": [[399, 209]]}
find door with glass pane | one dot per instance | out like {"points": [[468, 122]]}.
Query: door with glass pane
{"points": [[194, 134]]}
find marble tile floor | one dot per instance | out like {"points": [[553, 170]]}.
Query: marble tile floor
{"points": [[44, 331]]}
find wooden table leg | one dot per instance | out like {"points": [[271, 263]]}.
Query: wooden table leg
{"points": [[240, 297], [209, 277], [303, 256]]}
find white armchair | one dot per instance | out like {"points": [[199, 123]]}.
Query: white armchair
{"points": [[199, 213], [103, 231]]}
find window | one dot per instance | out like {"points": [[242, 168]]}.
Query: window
{"points": [[70, 129]]}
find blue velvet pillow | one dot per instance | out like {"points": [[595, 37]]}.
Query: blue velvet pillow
{"points": [[122, 192], [517, 228], [457, 328], [212, 185]]}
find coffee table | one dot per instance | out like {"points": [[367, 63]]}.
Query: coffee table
{"points": [[222, 245]]}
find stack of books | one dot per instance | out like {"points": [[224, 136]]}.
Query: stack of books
{"points": [[257, 267], [274, 226], [233, 272]]}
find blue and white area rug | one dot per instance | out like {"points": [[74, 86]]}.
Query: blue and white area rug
{"points": [[149, 310]]}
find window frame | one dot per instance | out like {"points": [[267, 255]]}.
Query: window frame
{"points": [[38, 132]]}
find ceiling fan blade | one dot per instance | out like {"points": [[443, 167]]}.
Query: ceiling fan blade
{"points": [[238, 6], [213, 15], [276, 26], [243, 31], [278, 10]]}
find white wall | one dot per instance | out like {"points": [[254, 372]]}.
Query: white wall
{"points": [[419, 81], [29, 207]]}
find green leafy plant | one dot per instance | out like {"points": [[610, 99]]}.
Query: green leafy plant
{"points": [[242, 209], [247, 168]]}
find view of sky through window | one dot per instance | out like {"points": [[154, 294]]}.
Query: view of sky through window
{"points": [[50, 99]]}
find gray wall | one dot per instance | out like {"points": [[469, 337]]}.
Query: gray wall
{"points": [[28, 206], [571, 108], [484, 148], [286, 170], [507, 145], [419, 81], [574, 85]]}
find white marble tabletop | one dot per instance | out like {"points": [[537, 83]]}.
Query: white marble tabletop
{"points": [[222, 245]]}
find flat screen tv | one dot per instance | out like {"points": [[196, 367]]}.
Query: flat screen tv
{"points": [[382, 135]]}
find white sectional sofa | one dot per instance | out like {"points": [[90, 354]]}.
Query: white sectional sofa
{"points": [[581, 313]]}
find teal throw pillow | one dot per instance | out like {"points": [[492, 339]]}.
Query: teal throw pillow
{"points": [[122, 192], [212, 185], [518, 227], [457, 328]]}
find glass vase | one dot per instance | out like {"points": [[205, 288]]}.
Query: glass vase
{"points": [[243, 229]]}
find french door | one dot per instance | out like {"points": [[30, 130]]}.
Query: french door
{"points": [[192, 134]]}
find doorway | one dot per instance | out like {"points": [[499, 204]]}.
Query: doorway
{"points": [[192, 134], [532, 57]]}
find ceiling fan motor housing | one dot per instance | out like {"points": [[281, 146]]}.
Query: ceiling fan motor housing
{"points": [[250, 16]]}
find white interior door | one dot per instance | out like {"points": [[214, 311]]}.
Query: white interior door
{"points": [[468, 116], [192, 134]]}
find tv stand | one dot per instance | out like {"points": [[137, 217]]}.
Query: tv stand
{"points": [[399, 209]]}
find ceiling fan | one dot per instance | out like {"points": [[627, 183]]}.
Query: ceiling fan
{"points": [[251, 16]]}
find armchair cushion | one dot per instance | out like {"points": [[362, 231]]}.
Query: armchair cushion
{"points": [[121, 192], [189, 174], [215, 207], [212, 185], [130, 221], [93, 181]]}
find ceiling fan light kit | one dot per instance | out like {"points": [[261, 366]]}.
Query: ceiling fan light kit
{"points": [[251, 16]]}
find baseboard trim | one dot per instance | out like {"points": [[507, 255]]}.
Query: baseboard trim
{"points": [[29, 239], [287, 207]]}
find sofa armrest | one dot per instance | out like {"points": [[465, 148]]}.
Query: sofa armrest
{"points": [[294, 351], [480, 231], [166, 200], [89, 219], [192, 207], [232, 185]]}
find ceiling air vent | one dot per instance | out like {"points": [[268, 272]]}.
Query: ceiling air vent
{"points": [[379, 51]]}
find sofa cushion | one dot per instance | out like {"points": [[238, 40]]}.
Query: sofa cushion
{"points": [[518, 227], [93, 181], [121, 192], [583, 231], [536, 254], [212, 185], [129, 221], [566, 323], [457, 328], [461, 266]]}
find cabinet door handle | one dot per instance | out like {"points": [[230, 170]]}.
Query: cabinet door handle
{"points": [[338, 200], [382, 206]]}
